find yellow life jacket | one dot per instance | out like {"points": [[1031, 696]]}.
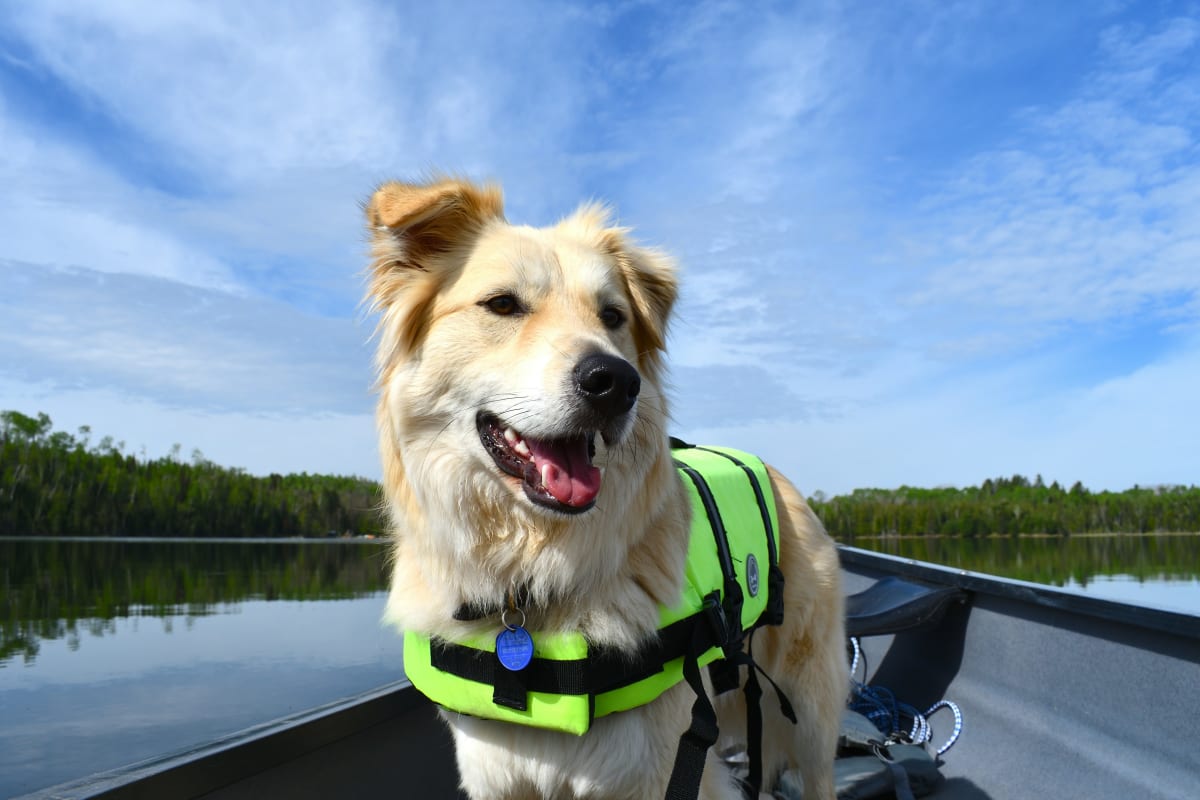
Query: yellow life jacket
{"points": [[732, 585]]}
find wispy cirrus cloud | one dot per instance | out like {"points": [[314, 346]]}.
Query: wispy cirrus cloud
{"points": [[1089, 212], [178, 345]]}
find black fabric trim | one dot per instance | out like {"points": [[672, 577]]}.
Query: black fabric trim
{"points": [[759, 498], [732, 598], [773, 613], [714, 519]]}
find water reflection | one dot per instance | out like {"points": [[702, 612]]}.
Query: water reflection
{"points": [[117, 651], [1152, 569], [52, 589]]}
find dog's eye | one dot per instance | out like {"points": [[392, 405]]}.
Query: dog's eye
{"points": [[502, 304], [612, 317]]}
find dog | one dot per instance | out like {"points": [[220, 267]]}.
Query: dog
{"points": [[522, 429]]}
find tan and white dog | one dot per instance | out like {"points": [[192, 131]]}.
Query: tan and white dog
{"points": [[522, 424]]}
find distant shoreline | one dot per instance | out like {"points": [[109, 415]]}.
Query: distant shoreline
{"points": [[1082, 535]]}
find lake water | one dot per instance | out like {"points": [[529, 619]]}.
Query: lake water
{"points": [[114, 651]]}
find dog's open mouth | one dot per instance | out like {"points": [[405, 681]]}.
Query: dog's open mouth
{"points": [[555, 473]]}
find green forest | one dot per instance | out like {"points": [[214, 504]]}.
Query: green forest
{"points": [[56, 483], [1009, 506]]}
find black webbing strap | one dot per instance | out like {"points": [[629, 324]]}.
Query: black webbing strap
{"points": [[701, 734], [754, 725], [510, 689], [900, 782], [724, 675], [754, 721]]}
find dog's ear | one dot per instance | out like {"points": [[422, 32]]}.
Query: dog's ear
{"points": [[650, 278], [417, 230], [412, 224]]}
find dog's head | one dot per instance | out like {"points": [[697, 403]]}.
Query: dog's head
{"points": [[519, 367]]}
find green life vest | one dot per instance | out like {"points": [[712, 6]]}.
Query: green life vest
{"points": [[732, 584]]}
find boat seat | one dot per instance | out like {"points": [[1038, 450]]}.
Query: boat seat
{"points": [[893, 604]]}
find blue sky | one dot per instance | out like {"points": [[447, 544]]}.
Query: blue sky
{"points": [[921, 243]]}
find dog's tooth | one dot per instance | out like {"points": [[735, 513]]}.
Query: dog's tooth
{"points": [[510, 436], [522, 449], [545, 476]]}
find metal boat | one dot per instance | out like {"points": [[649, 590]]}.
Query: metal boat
{"points": [[1062, 696]]}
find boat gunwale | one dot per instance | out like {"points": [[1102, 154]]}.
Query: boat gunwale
{"points": [[1176, 623]]}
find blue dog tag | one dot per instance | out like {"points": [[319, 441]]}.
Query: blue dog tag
{"points": [[514, 648]]}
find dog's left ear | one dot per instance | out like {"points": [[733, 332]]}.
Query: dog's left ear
{"points": [[650, 278]]}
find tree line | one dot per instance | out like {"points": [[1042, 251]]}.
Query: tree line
{"points": [[60, 484], [1009, 506], [54, 483]]}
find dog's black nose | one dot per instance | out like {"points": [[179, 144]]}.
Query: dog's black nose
{"points": [[609, 384]]}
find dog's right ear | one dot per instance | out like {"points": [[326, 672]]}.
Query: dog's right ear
{"points": [[412, 224], [416, 231]]}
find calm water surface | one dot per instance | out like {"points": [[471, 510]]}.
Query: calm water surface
{"points": [[114, 651]]}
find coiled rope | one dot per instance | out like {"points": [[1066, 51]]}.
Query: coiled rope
{"points": [[899, 721]]}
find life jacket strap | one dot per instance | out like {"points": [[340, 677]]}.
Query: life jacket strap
{"points": [[702, 734], [604, 669]]}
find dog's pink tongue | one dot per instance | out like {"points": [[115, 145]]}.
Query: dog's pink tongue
{"points": [[565, 470]]}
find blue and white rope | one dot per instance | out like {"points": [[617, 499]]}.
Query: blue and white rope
{"points": [[889, 715]]}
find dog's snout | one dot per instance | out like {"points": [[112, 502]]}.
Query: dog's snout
{"points": [[608, 383]]}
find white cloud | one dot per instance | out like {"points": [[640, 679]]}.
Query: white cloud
{"points": [[179, 346], [1129, 430], [1089, 215], [61, 207], [230, 89]]}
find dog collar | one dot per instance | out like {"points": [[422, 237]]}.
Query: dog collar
{"points": [[518, 598]]}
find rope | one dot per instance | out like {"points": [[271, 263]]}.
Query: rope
{"points": [[893, 717], [958, 721]]}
